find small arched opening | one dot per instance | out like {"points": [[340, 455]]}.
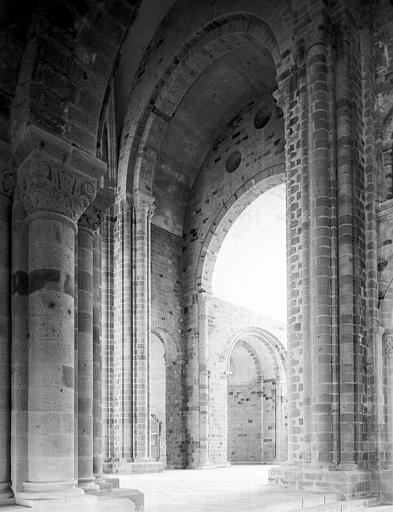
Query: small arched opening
{"points": [[257, 419], [157, 400], [245, 406]]}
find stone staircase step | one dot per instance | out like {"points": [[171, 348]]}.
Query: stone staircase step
{"points": [[327, 503]]}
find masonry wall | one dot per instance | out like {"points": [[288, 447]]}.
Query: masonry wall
{"points": [[246, 159], [166, 288], [249, 151], [244, 423], [245, 411]]}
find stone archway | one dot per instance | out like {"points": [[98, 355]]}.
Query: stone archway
{"points": [[245, 400], [270, 362], [244, 44], [157, 400], [168, 419], [211, 329], [215, 32]]}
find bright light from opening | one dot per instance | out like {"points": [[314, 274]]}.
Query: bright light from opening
{"points": [[250, 270]]}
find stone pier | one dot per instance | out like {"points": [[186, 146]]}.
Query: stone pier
{"points": [[6, 191], [86, 236]]}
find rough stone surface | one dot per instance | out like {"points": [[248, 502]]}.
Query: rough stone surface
{"points": [[220, 101]]}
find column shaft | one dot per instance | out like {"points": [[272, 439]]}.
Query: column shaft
{"points": [[320, 253], [51, 355], [387, 156], [348, 270], [388, 354], [143, 212], [285, 98], [19, 354], [85, 358], [97, 357], [305, 269], [203, 379], [5, 350]]}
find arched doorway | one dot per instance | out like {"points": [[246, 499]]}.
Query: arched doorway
{"points": [[257, 418], [210, 133], [246, 328], [245, 406], [157, 400]]}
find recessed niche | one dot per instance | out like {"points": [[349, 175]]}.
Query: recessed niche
{"points": [[262, 117], [233, 161]]}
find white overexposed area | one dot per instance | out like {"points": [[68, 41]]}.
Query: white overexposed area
{"points": [[230, 489], [250, 270]]}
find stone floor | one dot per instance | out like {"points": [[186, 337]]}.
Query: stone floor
{"points": [[231, 489]]}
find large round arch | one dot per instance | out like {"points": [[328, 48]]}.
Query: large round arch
{"points": [[242, 198], [173, 63]]}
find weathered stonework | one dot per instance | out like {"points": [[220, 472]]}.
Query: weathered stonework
{"points": [[184, 116], [46, 185]]}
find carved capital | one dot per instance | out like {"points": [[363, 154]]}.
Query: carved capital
{"points": [[144, 203], [387, 342], [45, 184], [92, 218], [7, 182]]}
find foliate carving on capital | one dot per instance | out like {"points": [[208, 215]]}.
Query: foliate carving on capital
{"points": [[7, 182], [45, 185], [92, 218], [144, 203], [387, 341]]}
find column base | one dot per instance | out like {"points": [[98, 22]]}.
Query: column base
{"points": [[50, 490], [59, 501], [91, 503], [347, 483], [88, 484], [47, 496], [107, 483], [133, 495], [6, 494]]}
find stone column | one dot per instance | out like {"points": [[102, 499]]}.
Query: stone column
{"points": [[284, 99], [86, 235], [144, 208], [5, 336], [320, 252], [379, 399], [387, 341], [387, 185], [54, 197], [19, 354], [97, 358], [279, 423], [351, 255], [203, 337]]}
